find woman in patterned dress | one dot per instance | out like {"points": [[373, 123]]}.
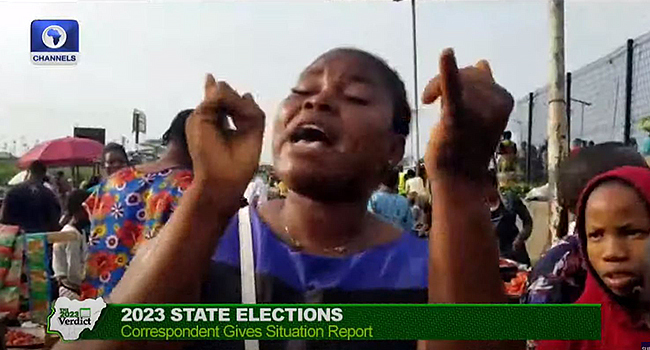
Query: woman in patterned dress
{"points": [[133, 204]]}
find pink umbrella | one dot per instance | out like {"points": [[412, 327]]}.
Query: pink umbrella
{"points": [[67, 151]]}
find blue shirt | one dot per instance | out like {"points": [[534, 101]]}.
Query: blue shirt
{"points": [[645, 150], [392, 208], [395, 272]]}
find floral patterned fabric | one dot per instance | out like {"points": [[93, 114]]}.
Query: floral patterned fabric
{"points": [[559, 276], [127, 208]]}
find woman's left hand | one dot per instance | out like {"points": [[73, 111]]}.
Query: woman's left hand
{"points": [[475, 112]]}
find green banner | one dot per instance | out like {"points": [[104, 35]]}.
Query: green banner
{"points": [[332, 322]]}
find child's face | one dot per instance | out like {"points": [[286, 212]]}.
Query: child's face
{"points": [[617, 226]]}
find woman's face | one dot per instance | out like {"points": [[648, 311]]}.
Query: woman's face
{"points": [[334, 138], [113, 161], [617, 227]]}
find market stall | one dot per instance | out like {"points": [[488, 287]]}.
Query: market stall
{"points": [[26, 286], [515, 277]]}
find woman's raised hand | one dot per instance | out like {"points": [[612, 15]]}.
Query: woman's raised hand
{"points": [[475, 112], [224, 160]]}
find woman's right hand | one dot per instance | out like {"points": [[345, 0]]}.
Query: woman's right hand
{"points": [[224, 161]]}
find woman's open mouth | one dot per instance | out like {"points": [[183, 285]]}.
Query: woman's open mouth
{"points": [[310, 134]]}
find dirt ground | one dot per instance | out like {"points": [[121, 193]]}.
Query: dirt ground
{"points": [[539, 240]]}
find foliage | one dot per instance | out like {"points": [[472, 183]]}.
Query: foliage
{"points": [[519, 189], [644, 124], [7, 171]]}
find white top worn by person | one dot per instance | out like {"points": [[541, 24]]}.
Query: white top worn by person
{"points": [[416, 184], [257, 192], [68, 259]]}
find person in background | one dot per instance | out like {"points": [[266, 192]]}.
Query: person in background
{"points": [[415, 184], [407, 175], [634, 144], [132, 205], [68, 258], [416, 211], [91, 183], [389, 205], [613, 227], [559, 276], [62, 186], [257, 191], [47, 182], [504, 211], [576, 146], [543, 157], [115, 158], [591, 144], [645, 148], [283, 190], [421, 217], [507, 152], [401, 185], [31, 205], [524, 150]]}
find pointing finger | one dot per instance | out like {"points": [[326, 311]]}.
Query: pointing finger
{"points": [[450, 83], [210, 85]]}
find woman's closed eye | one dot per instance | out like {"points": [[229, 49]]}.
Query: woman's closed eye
{"points": [[299, 91], [357, 100]]}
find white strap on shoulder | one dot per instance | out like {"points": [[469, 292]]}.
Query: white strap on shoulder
{"points": [[247, 266]]}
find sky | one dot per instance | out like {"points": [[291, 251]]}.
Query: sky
{"points": [[153, 55]]}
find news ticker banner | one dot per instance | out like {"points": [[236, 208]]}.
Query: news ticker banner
{"points": [[93, 319]]}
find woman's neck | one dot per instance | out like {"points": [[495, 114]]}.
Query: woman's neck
{"points": [[323, 225]]}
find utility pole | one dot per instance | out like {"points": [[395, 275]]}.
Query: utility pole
{"points": [[557, 143], [415, 85], [531, 97], [414, 37], [628, 91]]}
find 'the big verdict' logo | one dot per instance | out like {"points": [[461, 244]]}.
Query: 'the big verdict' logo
{"points": [[70, 317], [79, 317]]}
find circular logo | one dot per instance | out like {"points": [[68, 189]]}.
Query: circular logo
{"points": [[54, 36]]}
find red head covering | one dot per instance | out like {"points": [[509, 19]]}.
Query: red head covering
{"points": [[619, 330]]}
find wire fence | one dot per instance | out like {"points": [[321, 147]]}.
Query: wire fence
{"points": [[598, 93]]}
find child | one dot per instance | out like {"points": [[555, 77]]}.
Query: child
{"points": [[614, 229], [559, 276], [68, 257]]}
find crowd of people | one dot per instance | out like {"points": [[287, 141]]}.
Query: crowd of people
{"points": [[338, 220]]}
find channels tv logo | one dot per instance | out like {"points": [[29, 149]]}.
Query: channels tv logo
{"points": [[55, 42]]}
